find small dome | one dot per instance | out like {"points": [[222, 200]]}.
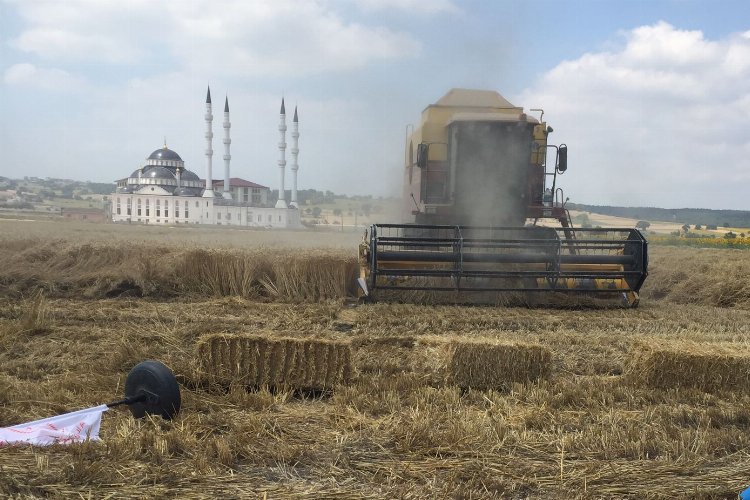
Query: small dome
{"points": [[125, 190], [185, 191], [188, 175], [164, 154], [135, 173], [158, 173]]}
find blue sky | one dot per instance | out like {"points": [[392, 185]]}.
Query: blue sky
{"points": [[652, 97]]}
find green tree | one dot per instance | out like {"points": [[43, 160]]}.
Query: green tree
{"points": [[643, 224], [316, 211], [582, 220], [730, 235]]}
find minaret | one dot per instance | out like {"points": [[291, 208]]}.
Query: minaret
{"points": [[281, 203], [227, 141], [209, 191], [295, 152]]}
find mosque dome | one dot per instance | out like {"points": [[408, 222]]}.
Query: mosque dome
{"points": [[161, 169], [186, 191], [158, 173], [188, 175], [164, 154]]}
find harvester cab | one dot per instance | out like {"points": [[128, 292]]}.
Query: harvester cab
{"points": [[478, 191]]}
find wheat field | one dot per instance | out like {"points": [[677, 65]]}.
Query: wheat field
{"points": [[608, 412]]}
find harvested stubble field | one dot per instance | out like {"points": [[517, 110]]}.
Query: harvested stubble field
{"points": [[77, 313]]}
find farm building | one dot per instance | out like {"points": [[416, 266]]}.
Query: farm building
{"points": [[163, 191]]}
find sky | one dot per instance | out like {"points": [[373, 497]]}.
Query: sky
{"points": [[652, 97]]}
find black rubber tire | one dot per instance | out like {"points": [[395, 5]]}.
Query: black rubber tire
{"points": [[153, 377]]}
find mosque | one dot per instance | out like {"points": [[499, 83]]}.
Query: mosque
{"points": [[163, 191]]}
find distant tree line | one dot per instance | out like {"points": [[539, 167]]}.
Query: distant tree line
{"points": [[315, 197], [702, 216]]}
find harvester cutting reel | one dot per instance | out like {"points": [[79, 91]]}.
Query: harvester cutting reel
{"points": [[470, 260]]}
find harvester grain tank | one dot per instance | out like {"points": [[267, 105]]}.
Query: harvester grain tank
{"points": [[480, 183]]}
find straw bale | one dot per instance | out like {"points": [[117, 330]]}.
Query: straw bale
{"points": [[440, 361], [708, 367], [265, 361], [485, 365]]}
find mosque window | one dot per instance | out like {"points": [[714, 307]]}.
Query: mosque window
{"points": [[176, 208], [187, 207], [147, 208], [129, 204], [260, 218], [270, 218], [279, 218], [158, 208], [218, 215], [196, 204], [118, 205], [229, 216], [139, 207], [166, 208]]}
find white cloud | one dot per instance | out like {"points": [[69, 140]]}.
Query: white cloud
{"points": [[264, 37], [422, 6], [281, 38], [660, 121], [45, 78]]}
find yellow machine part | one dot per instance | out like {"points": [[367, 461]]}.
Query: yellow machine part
{"points": [[613, 284]]}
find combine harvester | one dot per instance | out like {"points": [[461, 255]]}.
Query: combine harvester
{"points": [[477, 187]]}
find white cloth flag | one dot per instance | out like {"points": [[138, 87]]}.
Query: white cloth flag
{"points": [[67, 428]]}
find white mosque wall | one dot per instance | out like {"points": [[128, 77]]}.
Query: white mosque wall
{"points": [[167, 209]]}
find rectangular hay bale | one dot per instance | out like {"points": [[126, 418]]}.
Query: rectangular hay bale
{"points": [[484, 365], [262, 360], [707, 367], [467, 363]]}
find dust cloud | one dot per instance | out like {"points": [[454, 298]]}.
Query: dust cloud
{"points": [[491, 172]]}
